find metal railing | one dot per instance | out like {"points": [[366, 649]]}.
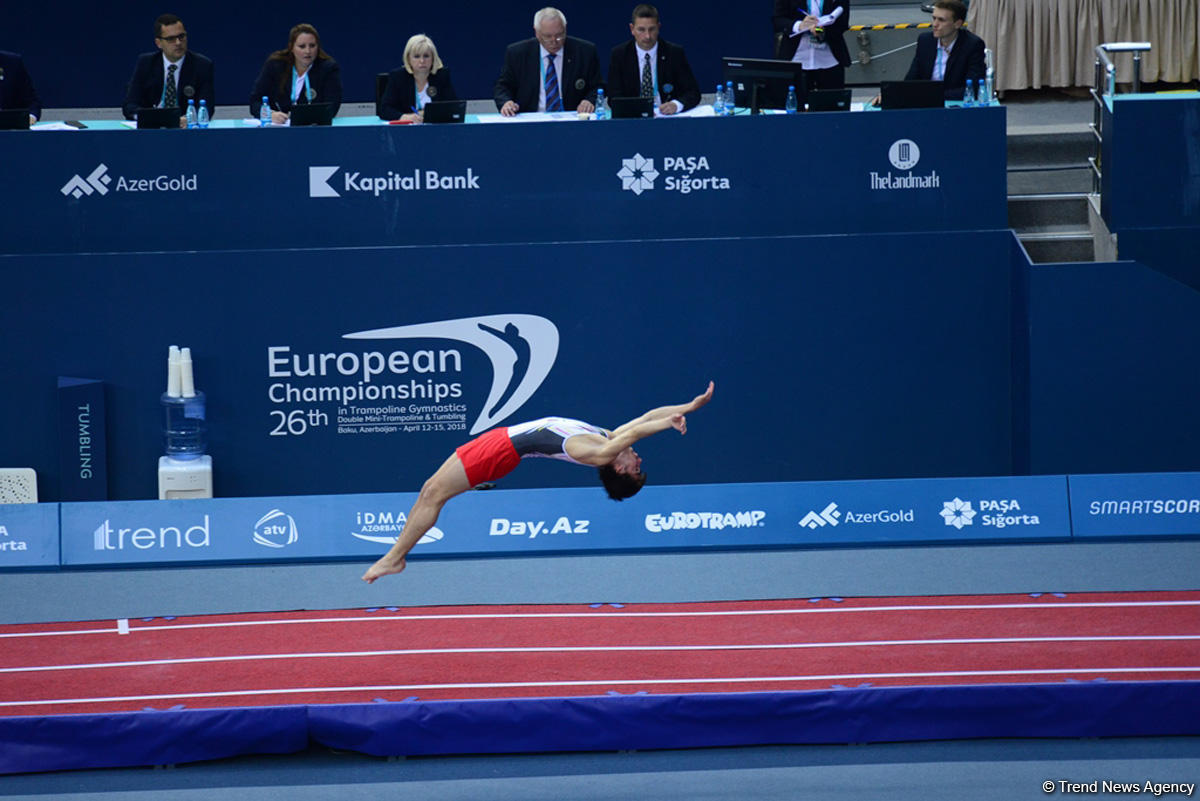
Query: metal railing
{"points": [[1105, 84]]}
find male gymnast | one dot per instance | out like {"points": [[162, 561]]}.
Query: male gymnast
{"points": [[495, 453]]}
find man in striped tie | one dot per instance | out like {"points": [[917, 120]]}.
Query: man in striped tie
{"points": [[550, 72]]}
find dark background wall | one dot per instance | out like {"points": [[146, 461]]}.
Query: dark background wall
{"points": [[81, 54]]}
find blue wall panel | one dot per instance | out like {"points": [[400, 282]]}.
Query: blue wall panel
{"points": [[830, 363]]}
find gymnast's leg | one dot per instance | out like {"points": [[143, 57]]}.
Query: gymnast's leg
{"points": [[449, 480]]}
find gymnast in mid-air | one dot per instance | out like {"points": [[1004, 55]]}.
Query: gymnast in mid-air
{"points": [[495, 453]]}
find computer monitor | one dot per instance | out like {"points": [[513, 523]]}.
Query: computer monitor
{"points": [[760, 83], [14, 119], [445, 111], [311, 114], [912, 94], [158, 117], [631, 107]]}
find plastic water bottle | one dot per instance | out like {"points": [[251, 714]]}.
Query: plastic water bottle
{"points": [[730, 105], [264, 114], [790, 105], [969, 94], [184, 429], [601, 105], [719, 101], [191, 113], [202, 115]]}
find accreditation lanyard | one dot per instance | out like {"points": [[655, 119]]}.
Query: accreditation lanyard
{"points": [[308, 90]]}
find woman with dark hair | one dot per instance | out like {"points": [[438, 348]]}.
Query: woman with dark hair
{"points": [[300, 73], [423, 79]]}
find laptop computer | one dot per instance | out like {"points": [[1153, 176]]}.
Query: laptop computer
{"points": [[158, 118], [631, 107], [441, 111], [311, 114], [829, 100], [912, 94], [14, 119]]}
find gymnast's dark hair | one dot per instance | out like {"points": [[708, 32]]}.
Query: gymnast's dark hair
{"points": [[620, 485]]}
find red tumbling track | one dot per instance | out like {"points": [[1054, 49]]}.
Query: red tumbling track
{"points": [[352, 656]]}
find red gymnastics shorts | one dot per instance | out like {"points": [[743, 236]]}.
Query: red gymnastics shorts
{"points": [[488, 457]]}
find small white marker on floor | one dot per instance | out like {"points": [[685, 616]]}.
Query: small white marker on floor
{"points": [[123, 626]]}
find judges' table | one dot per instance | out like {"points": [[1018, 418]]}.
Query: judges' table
{"points": [[1051, 42], [358, 184]]}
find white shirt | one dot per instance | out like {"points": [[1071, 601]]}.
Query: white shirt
{"points": [[558, 60], [812, 56], [941, 57]]}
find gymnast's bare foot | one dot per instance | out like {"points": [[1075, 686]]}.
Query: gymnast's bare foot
{"points": [[386, 566]]}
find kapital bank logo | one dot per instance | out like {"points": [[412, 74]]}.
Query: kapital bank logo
{"points": [[521, 348], [99, 182], [276, 529], [320, 183]]}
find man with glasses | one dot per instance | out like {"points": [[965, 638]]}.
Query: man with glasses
{"points": [[170, 76], [550, 72]]}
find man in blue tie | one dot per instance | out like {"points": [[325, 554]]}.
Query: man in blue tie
{"points": [[170, 76], [948, 53], [550, 72]]}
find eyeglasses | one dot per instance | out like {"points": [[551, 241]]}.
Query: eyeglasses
{"points": [[547, 38], [179, 37]]}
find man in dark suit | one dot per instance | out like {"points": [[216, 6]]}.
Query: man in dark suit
{"points": [[813, 34], [16, 87], [191, 74], [550, 72], [652, 67], [949, 54]]}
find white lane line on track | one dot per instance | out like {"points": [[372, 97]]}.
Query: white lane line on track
{"points": [[620, 614], [833, 677], [600, 649]]}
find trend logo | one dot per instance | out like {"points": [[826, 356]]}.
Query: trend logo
{"points": [[275, 530], [97, 181], [318, 182], [827, 517], [957, 513], [904, 154], [521, 347], [637, 174]]}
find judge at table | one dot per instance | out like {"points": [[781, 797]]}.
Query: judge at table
{"points": [[950, 53], [300, 73], [422, 80], [550, 72]]}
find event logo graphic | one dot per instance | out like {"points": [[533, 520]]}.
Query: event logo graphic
{"points": [[391, 181], [521, 348], [385, 527], [276, 529], [97, 181], [827, 517], [109, 537], [637, 174], [957, 513], [100, 182], [904, 154]]}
